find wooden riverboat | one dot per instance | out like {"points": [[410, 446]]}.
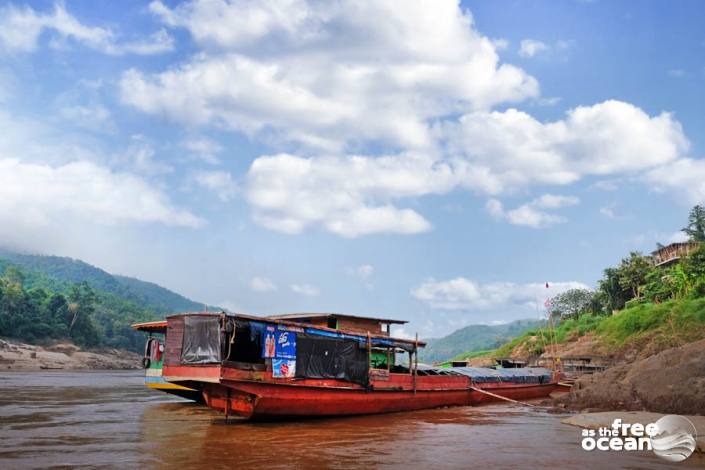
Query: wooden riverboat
{"points": [[275, 367]]}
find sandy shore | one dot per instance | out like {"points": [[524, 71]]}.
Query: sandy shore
{"points": [[605, 419], [68, 356]]}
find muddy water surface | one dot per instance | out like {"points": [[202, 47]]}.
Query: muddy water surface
{"points": [[109, 419]]}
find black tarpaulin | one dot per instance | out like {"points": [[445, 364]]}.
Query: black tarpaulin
{"points": [[201, 340], [319, 357]]}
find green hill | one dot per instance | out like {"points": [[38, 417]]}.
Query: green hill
{"points": [[65, 271], [474, 338], [44, 298]]}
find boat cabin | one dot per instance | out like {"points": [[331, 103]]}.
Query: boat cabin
{"points": [[294, 347]]}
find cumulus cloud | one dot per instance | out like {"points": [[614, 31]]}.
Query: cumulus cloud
{"points": [[305, 289], [328, 75], [38, 195], [345, 196], [487, 152], [21, 28], [375, 105], [532, 214], [262, 284], [531, 47], [464, 294], [515, 149], [685, 178]]}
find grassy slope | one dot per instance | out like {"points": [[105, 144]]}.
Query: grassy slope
{"points": [[670, 323]]}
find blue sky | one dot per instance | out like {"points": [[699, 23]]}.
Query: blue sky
{"points": [[437, 163]]}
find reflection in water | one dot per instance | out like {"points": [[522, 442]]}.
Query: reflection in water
{"points": [[110, 419]]}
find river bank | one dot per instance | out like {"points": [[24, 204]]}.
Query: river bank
{"points": [[671, 381], [15, 356]]}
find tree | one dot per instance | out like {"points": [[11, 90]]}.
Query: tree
{"points": [[610, 292], [572, 303], [632, 272], [81, 307], [696, 224]]}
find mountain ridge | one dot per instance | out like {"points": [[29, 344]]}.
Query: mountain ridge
{"points": [[70, 270], [473, 338]]}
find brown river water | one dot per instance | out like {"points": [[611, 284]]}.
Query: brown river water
{"points": [[109, 419]]}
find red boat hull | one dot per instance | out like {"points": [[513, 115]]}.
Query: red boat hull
{"points": [[259, 399]]}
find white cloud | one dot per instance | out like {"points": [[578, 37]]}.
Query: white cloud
{"points": [[327, 80], [219, 182], [262, 284], [685, 178], [328, 75], [532, 214], [343, 195], [531, 47], [491, 153], [305, 289], [21, 28], [157, 43], [513, 149], [37, 195], [464, 294]]}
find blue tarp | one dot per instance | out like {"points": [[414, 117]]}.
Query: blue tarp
{"points": [[518, 375], [360, 338]]}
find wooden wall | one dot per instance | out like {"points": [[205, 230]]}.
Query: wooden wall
{"points": [[174, 341]]}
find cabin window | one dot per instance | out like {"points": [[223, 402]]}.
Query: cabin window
{"points": [[201, 344], [246, 345], [381, 358], [333, 323]]}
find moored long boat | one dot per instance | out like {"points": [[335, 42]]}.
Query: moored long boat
{"points": [[153, 362], [268, 368]]}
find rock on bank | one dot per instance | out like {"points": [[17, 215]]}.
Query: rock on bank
{"points": [[672, 381], [20, 356]]}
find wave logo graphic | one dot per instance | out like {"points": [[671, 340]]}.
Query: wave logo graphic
{"points": [[674, 439]]}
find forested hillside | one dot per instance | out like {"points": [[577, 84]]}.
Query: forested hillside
{"points": [[68, 271], [474, 338], [48, 297]]}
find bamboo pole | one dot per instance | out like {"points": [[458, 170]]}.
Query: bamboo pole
{"points": [[369, 351], [416, 360], [499, 396]]}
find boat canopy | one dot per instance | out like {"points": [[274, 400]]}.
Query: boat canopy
{"points": [[515, 375], [151, 326]]}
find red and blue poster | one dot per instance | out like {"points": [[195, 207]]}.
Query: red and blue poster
{"points": [[283, 368], [285, 346], [278, 343]]}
